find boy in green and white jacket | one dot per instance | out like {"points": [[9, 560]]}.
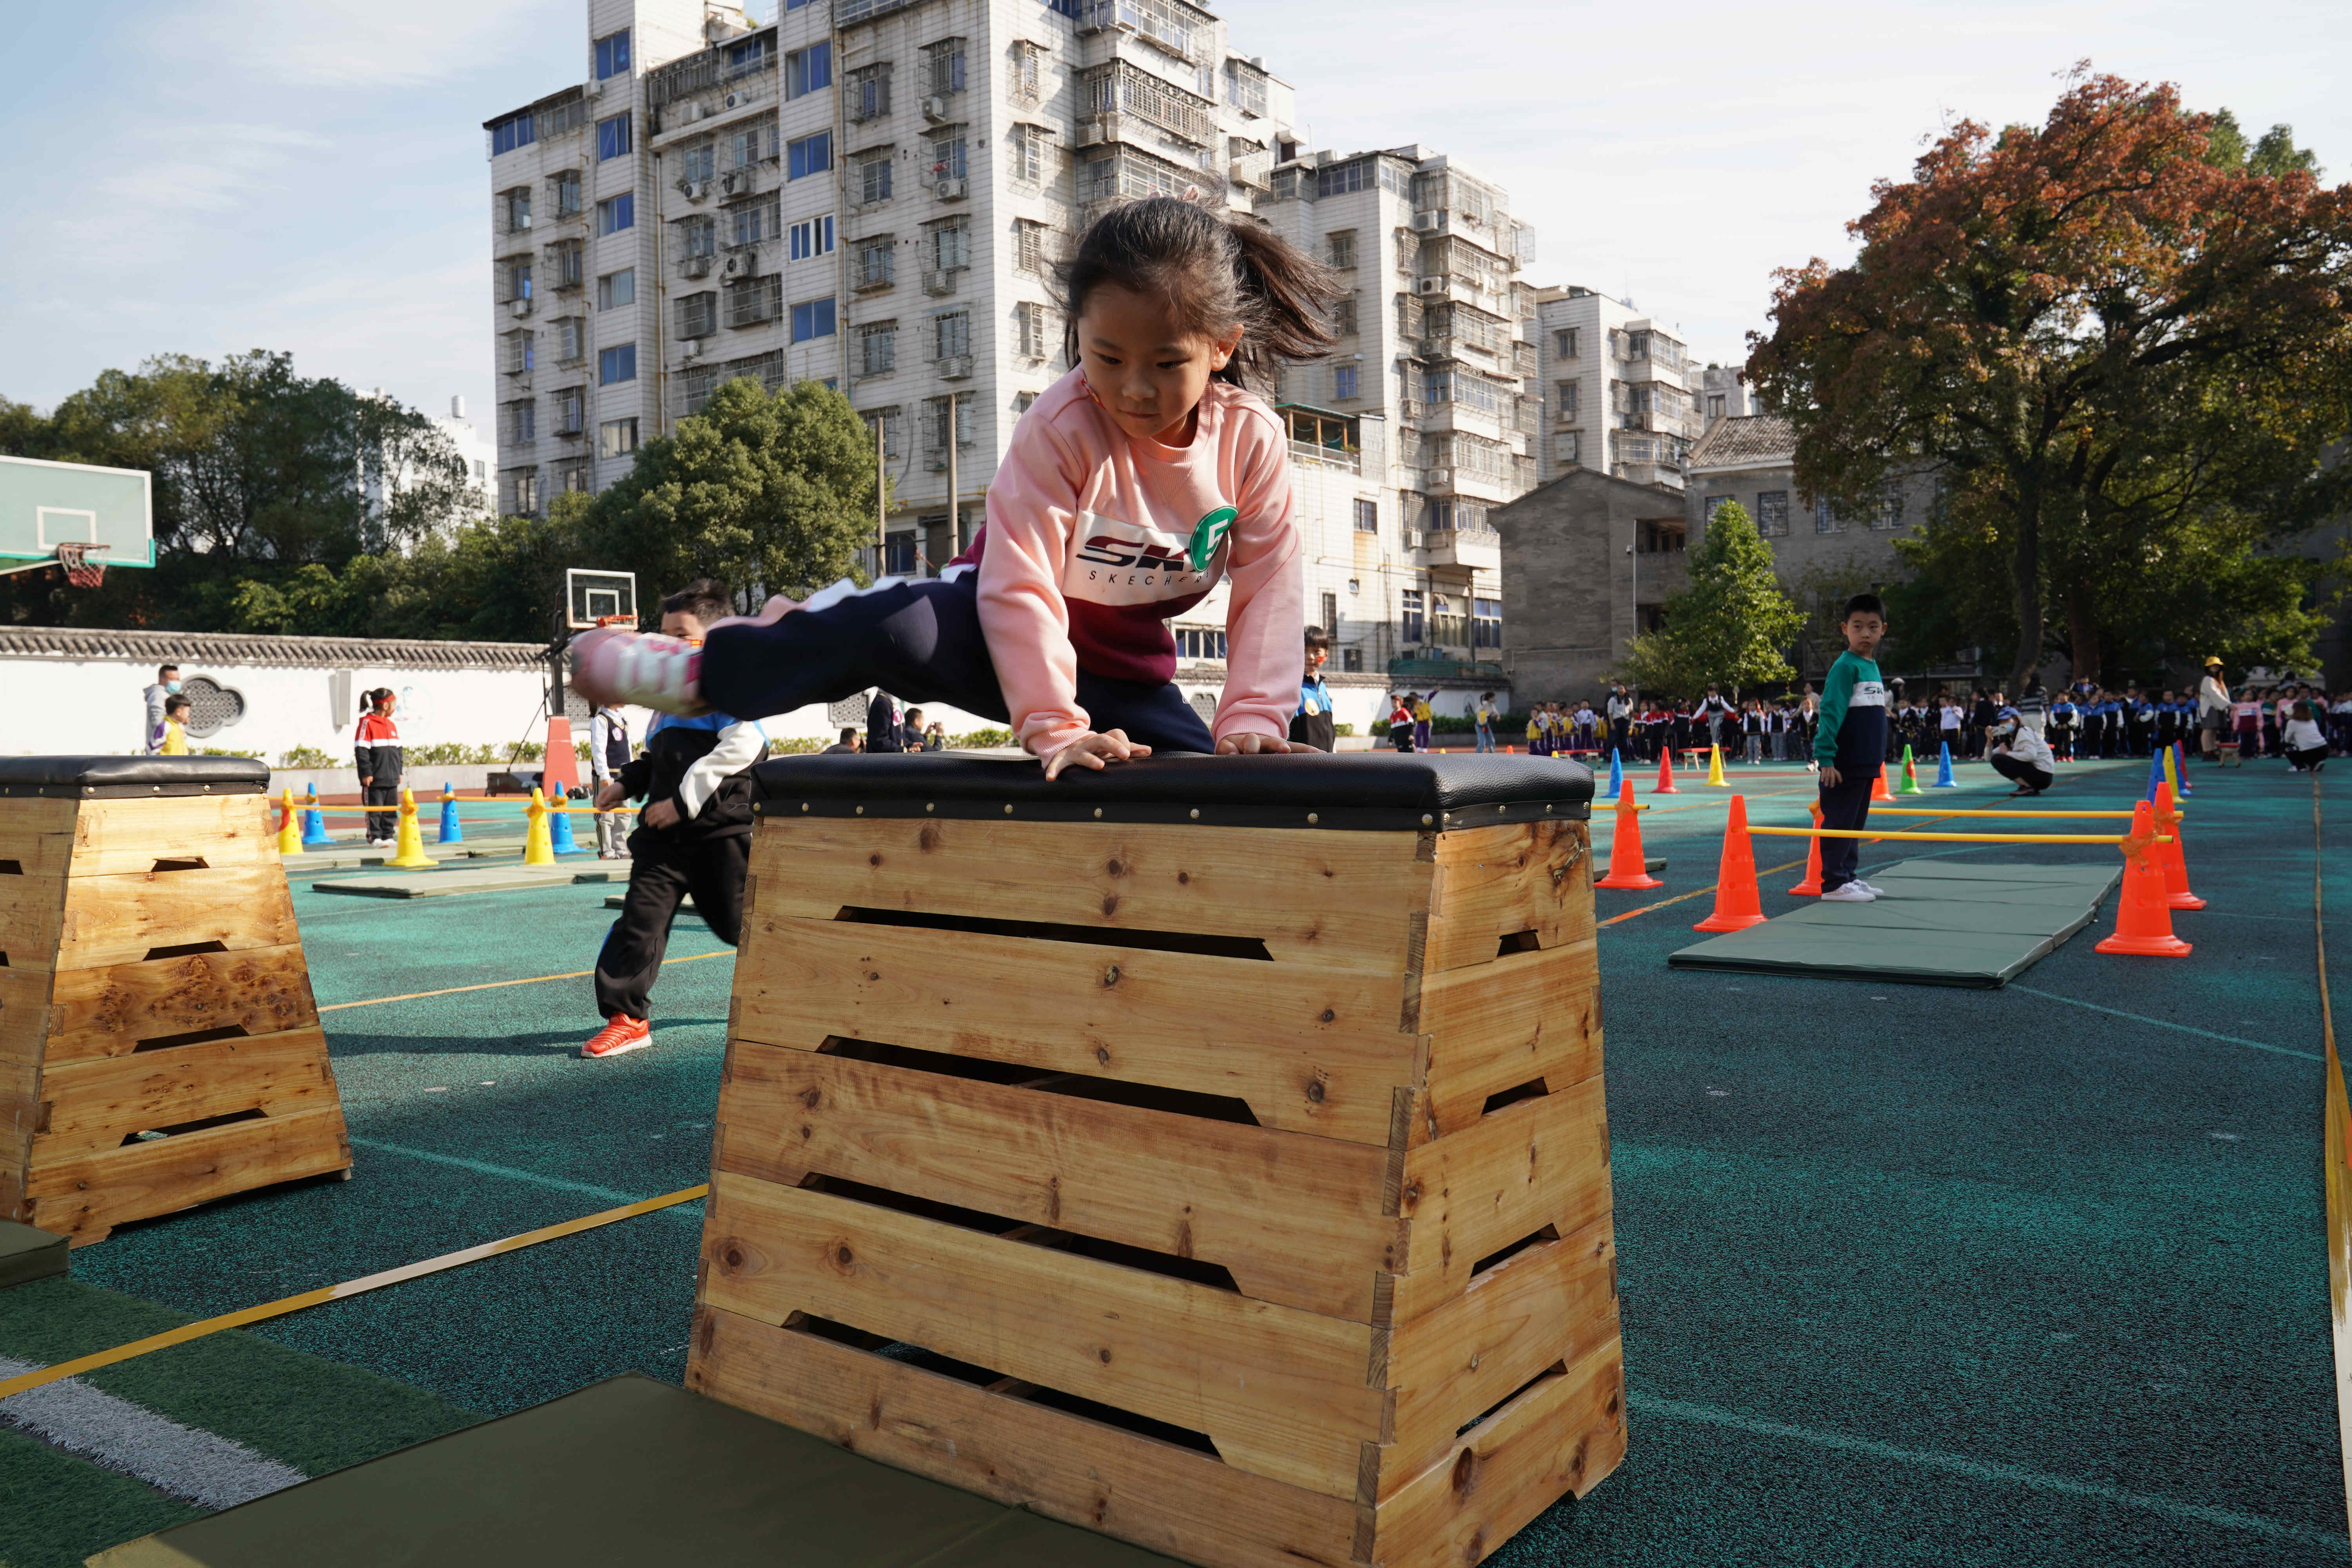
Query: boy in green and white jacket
{"points": [[1851, 746]]}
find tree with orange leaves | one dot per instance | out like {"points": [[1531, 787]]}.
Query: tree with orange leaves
{"points": [[2122, 349]]}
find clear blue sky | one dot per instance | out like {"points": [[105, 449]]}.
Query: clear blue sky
{"points": [[213, 175]]}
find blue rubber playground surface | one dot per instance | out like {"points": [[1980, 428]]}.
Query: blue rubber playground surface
{"points": [[1909, 1274]]}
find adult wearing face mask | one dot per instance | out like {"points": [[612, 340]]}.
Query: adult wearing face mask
{"points": [[167, 684]]}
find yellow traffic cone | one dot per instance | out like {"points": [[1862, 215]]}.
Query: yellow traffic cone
{"points": [[1715, 779], [289, 835], [537, 848], [408, 849]]}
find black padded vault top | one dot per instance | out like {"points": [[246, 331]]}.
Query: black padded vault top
{"points": [[1377, 790], [100, 777]]}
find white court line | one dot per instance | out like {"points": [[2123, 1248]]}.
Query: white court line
{"points": [[1987, 1470], [484, 1168], [208, 1470], [2167, 1024]]}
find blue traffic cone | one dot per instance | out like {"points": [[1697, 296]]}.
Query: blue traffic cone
{"points": [[2180, 784], [451, 832], [1944, 769], [559, 827], [1616, 774], [314, 822], [2155, 775]]}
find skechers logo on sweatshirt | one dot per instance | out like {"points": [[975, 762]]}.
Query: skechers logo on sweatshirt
{"points": [[1867, 694], [1135, 564]]}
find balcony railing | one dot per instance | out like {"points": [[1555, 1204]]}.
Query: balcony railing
{"points": [[849, 13], [1179, 30], [1327, 457], [711, 67], [1444, 669], [1121, 88]]}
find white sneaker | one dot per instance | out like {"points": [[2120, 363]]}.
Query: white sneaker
{"points": [[1873, 889], [1850, 893]]}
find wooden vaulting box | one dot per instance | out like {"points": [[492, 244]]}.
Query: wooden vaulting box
{"points": [[1209, 1152], [159, 1046]]}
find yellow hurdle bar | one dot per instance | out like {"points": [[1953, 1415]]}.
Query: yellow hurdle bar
{"points": [[1952, 837], [1931, 810]]}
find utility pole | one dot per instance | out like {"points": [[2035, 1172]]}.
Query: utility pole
{"points": [[955, 508], [881, 505]]}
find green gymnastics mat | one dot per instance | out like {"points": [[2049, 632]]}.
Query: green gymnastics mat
{"points": [[624, 1472], [1938, 923]]}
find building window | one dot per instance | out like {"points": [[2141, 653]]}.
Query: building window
{"points": [[1022, 402], [616, 213], [1487, 623], [1031, 147], [565, 189], [567, 262], [1029, 247], [612, 137], [699, 236], [1886, 514], [1343, 383], [813, 319], [877, 263], [617, 363], [950, 335], [865, 93], [521, 486], [811, 237], [1368, 516], [1331, 621], [878, 348], [698, 315], [874, 176], [943, 65], [935, 423], [887, 422], [516, 275], [615, 289], [616, 437], [810, 155], [755, 222], [612, 55], [1028, 62], [522, 420], [1409, 624], [1341, 248], [515, 209], [1824, 516], [1199, 642], [1772, 513], [950, 245], [1343, 316], [1570, 398], [699, 165], [899, 553], [571, 477], [947, 157], [570, 410], [753, 144], [1563, 343], [808, 70], [571, 341], [1572, 447], [518, 353], [752, 300], [751, 54], [515, 131], [1029, 329]]}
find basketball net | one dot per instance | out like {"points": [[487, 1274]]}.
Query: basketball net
{"points": [[81, 570]]}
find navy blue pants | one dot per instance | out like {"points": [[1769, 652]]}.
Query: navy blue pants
{"points": [[921, 641], [1847, 805]]}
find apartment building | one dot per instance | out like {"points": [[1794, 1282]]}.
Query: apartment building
{"points": [[1422, 399], [1618, 389]]}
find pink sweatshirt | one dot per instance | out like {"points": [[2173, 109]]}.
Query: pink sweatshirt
{"points": [[1094, 539]]}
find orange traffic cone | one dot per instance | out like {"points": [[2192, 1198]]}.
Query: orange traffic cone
{"points": [[1737, 903], [1665, 772], [2143, 918], [1878, 790], [1627, 869], [2168, 856], [1811, 888]]}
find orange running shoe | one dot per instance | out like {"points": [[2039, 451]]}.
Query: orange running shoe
{"points": [[620, 1034]]}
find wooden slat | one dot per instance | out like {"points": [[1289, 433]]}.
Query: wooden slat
{"points": [[1280, 1391], [39, 843], [84, 1198], [121, 838], [32, 911], [1503, 1024], [89, 1107], [1311, 1048], [1341, 899], [1560, 1437], [1540, 1162], [118, 919], [1555, 1301], [1298, 1220], [1494, 882], [1169, 1498], [108, 1012]]}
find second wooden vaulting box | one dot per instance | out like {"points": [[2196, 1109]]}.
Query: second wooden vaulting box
{"points": [[1211, 1151]]}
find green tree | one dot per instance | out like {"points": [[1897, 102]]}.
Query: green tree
{"points": [[766, 492], [2121, 338], [1730, 627]]}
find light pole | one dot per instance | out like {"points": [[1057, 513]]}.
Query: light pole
{"points": [[1634, 609]]}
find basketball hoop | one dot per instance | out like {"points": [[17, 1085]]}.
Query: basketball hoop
{"points": [[81, 570]]}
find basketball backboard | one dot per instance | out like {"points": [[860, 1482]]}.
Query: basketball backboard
{"points": [[600, 598], [109, 512]]}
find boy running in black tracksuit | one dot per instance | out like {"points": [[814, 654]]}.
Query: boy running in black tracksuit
{"points": [[694, 836], [1851, 746]]}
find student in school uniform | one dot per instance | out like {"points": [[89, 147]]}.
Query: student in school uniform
{"points": [[1482, 720], [1421, 721], [177, 708], [1312, 724], [2063, 718], [1585, 721], [1399, 724], [608, 753]]}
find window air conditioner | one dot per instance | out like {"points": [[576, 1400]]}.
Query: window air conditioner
{"points": [[739, 266], [698, 267], [935, 109], [1428, 221], [955, 367], [1090, 133], [947, 190], [697, 190], [1429, 285], [690, 111], [938, 282], [595, 90], [518, 308], [689, 348], [737, 100], [1438, 477]]}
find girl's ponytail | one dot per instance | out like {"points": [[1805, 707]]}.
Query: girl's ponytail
{"points": [[1293, 294]]}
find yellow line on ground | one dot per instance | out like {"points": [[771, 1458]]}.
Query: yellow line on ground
{"points": [[499, 985], [326, 1293], [2335, 1161]]}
